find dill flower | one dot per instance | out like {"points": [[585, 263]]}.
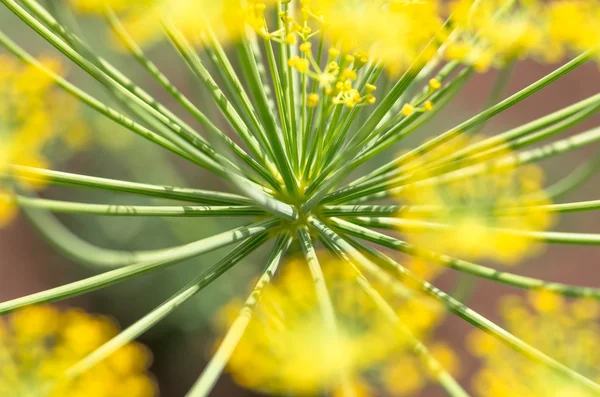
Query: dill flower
{"points": [[299, 98], [567, 330], [289, 344], [393, 32], [37, 122], [38, 344], [483, 210], [195, 18]]}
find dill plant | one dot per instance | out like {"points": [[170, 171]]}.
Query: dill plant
{"points": [[325, 88]]}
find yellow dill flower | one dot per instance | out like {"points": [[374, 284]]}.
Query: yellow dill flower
{"points": [[493, 33], [574, 24], [287, 346], [38, 344], [143, 19], [474, 209], [34, 117], [567, 331], [393, 32]]}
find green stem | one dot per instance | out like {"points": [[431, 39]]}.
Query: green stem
{"points": [[206, 381], [166, 192], [450, 385], [103, 78], [534, 236], [200, 159], [482, 323], [139, 55], [464, 266], [191, 211], [323, 298], [168, 257], [195, 64], [170, 305], [498, 108]]}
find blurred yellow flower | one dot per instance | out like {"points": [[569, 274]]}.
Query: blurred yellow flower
{"points": [[474, 215], [496, 32], [143, 19], [33, 115], [38, 344], [392, 32], [567, 331], [287, 347]]}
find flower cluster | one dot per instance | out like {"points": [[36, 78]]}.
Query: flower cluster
{"points": [[568, 331], [39, 344], [484, 209], [494, 33], [291, 345], [299, 99], [37, 122]]}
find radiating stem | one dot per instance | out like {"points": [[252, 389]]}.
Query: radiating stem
{"points": [[167, 192], [464, 266], [168, 257], [483, 323], [139, 327], [207, 380], [137, 210]]}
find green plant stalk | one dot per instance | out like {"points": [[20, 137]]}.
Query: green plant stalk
{"points": [[259, 89], [155, 316], [443, 377], [105, 80], [323, 298], [153, 70], [463, 266], [418, 226], [325, 182], [164, 125], [31, 174], [284, 154], [118, 275], [577, 141], [450, 385], [483, 323], [137, 210], [238, 90], [411, 124], [557, 122], [392, 169], [185, 131], [397, 210], [199, 159], [498, 108], [207, 380], [193, 61], [321, 186], [453, 305], [441, 103]]}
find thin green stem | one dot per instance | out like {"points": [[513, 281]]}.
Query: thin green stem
{"points": [[464, 266], [498, 108], [201, 159], [139, 55], [323, 298], [168, 257], [534, 236], [191, 211], [481, 322], [206, 381], [170, 305], [450, 385], [52, 177]]}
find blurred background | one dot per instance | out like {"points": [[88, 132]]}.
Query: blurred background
{"points": [[181, 343]]}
